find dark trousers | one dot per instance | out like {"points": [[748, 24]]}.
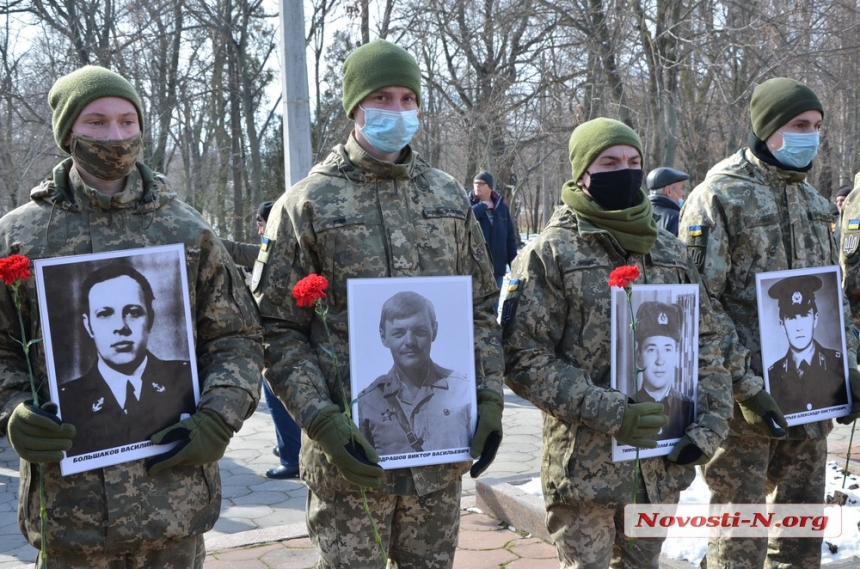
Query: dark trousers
{"points": [[288, 434]]}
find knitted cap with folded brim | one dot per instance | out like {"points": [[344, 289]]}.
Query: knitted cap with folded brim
{"points": [[376, 65], [777, 101], [73, 92], [593, 137]]}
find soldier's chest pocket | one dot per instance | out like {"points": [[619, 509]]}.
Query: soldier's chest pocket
{"points": [[348, 247], [439, 237], [757, 247]]}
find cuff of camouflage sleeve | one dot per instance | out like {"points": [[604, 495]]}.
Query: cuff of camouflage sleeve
{"points": [[747, 387], [9, 407], [709, 434], [602, 409], [233, 404]]}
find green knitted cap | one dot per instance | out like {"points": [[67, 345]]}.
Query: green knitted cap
{"points": [[376, 65], [72, 92], [777, 101], [593, 137]]}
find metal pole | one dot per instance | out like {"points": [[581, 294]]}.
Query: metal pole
{"points": [[296, 102]]}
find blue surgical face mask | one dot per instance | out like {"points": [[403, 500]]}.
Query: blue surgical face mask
{"points": [[680, 202], [798, 149], [389, 131]]}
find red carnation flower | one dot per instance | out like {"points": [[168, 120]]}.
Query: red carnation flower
{"points": [[14, 268], [310, 289], [623, 276]]}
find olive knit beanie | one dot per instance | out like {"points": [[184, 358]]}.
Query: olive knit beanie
{"points": [[376, 65], [777, 101], [593, 137], [72, 92]]}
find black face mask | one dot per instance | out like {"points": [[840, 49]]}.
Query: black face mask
{"points": [[619, 189]]}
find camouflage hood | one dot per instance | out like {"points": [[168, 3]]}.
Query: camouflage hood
{"points": [[145, 191], [746, 168], [350, 161]]}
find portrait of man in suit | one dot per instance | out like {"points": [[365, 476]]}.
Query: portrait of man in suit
{"points": [[128, 393], [809, 375]]}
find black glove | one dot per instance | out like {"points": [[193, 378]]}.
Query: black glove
{"points": [[854, 383], [488, 433], [686, 453], [761, 411], [203, 437], [345, 447], [37, 435], [640, 422]]}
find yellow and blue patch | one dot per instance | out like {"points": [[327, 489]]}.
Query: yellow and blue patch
{"points": [[853, 224], [695, 230]]}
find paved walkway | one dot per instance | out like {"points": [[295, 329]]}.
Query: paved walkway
{"points": [[262, 521]]}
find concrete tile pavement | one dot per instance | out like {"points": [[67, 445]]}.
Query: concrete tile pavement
{"points": [[262, 521]]}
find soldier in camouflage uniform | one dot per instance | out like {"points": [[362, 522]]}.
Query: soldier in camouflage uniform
{"points": [[557, 339], [139, 513], [372, 209], [755, 213]]}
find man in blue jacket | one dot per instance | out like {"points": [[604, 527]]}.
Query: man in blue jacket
{"points": [[495, 219]]}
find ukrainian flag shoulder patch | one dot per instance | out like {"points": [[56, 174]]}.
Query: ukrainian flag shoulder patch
{"points": [[853, 224]]}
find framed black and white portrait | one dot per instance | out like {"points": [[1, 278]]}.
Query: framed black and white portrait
{"points": [[412, 367], [802, 332], [119, 350], [657, 359]]}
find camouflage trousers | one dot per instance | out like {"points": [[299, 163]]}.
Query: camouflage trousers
{"points": [[753, 470], [418, 531], [591, 536], [178, 554]]}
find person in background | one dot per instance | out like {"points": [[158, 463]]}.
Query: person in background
{"points": [[492, 213], [841, 195], [558, 350], [288, 435], [372, 209], [666, 191], [141, 513], [756, 213]]}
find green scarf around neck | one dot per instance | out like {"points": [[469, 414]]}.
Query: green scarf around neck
{"points": [[634, 228]]}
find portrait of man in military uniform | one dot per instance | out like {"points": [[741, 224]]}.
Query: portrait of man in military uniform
{"points": [[809, 374], [658, 338], [123, 393], [655, 360], [418, 406]]}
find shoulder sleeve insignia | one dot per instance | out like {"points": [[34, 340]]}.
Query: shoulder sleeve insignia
{"points": [[509, 308]]}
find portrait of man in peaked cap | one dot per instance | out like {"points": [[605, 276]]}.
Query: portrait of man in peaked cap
{"points": [[809, 373]]}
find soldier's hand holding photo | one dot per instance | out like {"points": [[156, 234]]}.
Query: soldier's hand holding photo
{"points": [[345, 447], [203, 438], [687, 453], [37, 435], [640, 422], [762, 411]]}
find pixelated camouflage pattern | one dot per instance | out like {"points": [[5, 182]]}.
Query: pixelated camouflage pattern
{"points": [[106, 159], [189, 553], [356, 217], [587, 536], [849, 259], [118, 508], [759, 218], [558, 356], [756, 218], [795, 474], [426, 528]]}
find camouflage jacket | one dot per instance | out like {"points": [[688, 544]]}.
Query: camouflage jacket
{"points": [[116, 509], [356, 217], [849, 244], [748, 217], [557, 355]]}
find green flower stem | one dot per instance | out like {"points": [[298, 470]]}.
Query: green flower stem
{"points": [[322, 311], [25, 345], [636, 467]]}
